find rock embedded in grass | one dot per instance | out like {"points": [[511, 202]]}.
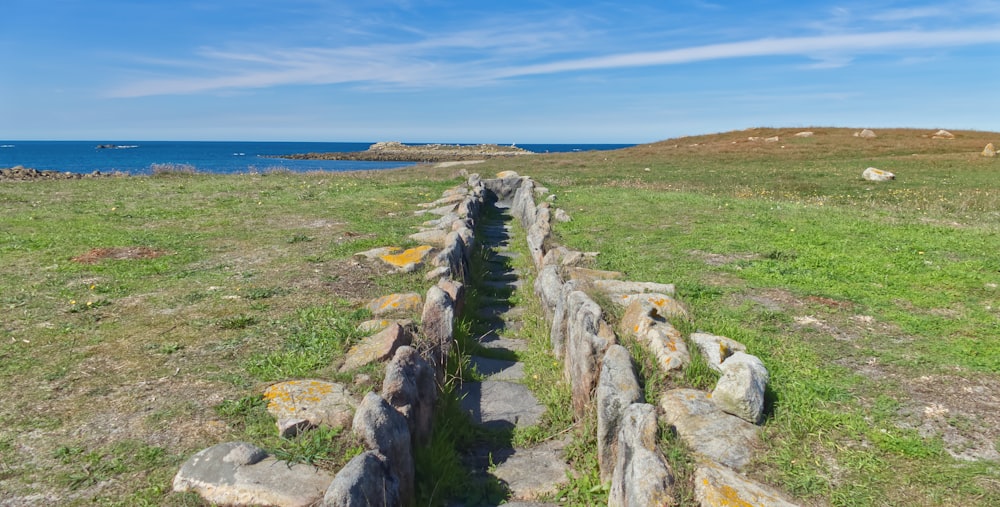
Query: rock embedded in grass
{"points": [[989, 150], [707, 430], [394, 304], [716, 349], [873, 174], [377, 347], [740, 390], [317, 401]]}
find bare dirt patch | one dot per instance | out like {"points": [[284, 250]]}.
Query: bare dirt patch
{"points": [[96, 255]]}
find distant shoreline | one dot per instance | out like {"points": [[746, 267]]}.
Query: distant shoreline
{"points": [[392, 151]]}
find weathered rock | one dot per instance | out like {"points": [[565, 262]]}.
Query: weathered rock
{"points": [[716, 349], [447, 199], [410, 387], [497, 369], [641, 473], [436, 327], [706, 429], [643, 320], [873, 174], [561, 216], [548, 288], [591, 275], [373, 325], [444, 222], [455, 290], [385, 430], [665, 305], [395, 304], [507, 174], [584, 348], [989, 150], [559, 330], [740, 390], [866, 134], [804, 134], [617, 388], [366, 481], [441, 211], [718, 486], [375, 253], [408, 260], [378, 347], [438, 273], [535, 472], [319, 402], [238, 473], [619, 287], [289, 428], [500, 404], [434, 237], [943, 134], [772, 139]]}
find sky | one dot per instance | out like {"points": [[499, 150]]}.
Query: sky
{"points": [[506, 72]]}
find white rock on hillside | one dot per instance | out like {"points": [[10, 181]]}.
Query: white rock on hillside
{"points": [[873, 174], [989, 150]]}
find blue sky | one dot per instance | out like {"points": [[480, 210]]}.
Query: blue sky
{"points": [[524, 72]]}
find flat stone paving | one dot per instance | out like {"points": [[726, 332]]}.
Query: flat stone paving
{"points": [[500, 401]]}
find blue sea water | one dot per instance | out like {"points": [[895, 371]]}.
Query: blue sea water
{"points": [[224, 157]]}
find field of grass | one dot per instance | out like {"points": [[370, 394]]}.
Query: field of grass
{"points": [[875, 306]]}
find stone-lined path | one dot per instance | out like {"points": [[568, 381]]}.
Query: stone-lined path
{"points": [[500, 401]]}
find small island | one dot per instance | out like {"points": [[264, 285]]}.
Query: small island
{"points": [[393, 151]]}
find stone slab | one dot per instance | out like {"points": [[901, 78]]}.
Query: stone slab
{"points": [[500, 404], [707, 430], [497, 369]]}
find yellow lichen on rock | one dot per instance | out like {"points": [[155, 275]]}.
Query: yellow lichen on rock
{"points": [[411, 256], [396, 303]]}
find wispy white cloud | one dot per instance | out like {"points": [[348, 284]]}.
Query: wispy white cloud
{"points": [[477, 58]]}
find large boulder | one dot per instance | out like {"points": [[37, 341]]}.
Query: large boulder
{"points": [[319, 402], [740, 390], [642, 475], [989, 150], [866, 134], [239, 473], [617, 388], [873, 174], [943, 134]]}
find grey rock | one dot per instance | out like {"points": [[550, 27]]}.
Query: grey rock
{"points": [[378, 347], [534, 472], [436, 328], [238, 473], [716, 485], [366, 481], [317, 401], [665, 305], [385, 430], [619, 287], [643, 319], [943, 134], [548, 288], [561, 216], [410, 386], [433, 237], [497, 369], [740, 390], [642, 475], [873, 174], [707, 430], [289, 428], [585, 348], [617, 388], [500, 404], [716, 349]]}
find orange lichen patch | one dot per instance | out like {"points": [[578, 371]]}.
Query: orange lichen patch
{"points": [[411, 256], [296, 391], [394, 303], [507, 174], [118, 253]]}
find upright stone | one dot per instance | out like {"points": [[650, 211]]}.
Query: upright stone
{"points": [[584, 348], [436, 328], [385, 430], [617, 388], [642, 475], [740, 390], [716, 349], [410, 387], [366, 481]]}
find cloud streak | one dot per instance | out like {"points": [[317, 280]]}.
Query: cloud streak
{"points": [[448, 60]]}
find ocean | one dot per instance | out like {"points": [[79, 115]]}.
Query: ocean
{"points": [[223, 157]]}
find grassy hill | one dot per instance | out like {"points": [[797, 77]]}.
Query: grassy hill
{"points": [[142, 315]]}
